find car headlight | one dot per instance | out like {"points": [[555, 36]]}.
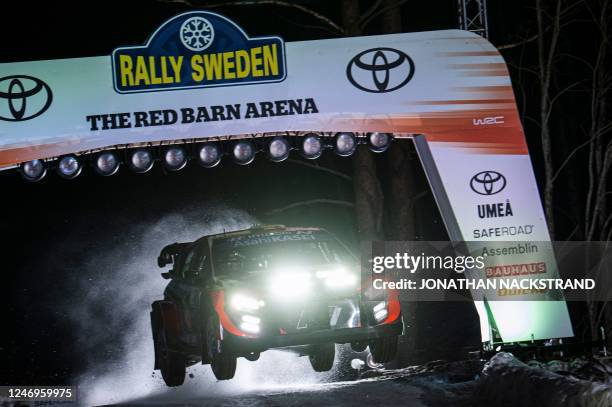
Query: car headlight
{"points": [[242, 302], [289, 285], [380, 311], [250, 324], [338, 278]]}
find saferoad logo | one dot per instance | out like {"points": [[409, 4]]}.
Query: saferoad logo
{"points": [[488, 183], [197, 50], [380, 70], [23, 98]]}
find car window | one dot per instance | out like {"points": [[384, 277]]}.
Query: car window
{"points": [[196, 262], [253, 254]]}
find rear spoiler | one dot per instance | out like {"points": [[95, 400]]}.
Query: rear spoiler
{"points": [[169, 253]]}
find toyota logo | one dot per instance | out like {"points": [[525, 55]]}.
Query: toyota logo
{"points": [[380, 70], [23, 97], [488, 183]]}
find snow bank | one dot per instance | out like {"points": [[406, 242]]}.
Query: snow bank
{"points": [[507, 381]]}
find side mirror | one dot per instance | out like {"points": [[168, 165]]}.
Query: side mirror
{"points": [[164, 259]]}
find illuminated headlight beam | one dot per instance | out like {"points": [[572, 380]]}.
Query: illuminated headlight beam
{"points": [[288, 285], [338, 278], [242, 302], [380, 311]]}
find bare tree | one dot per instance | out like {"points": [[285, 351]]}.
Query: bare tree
{"points": [[368, 191], [598, 224], [402, 161], [546, 54]]}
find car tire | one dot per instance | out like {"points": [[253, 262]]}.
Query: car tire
{"points": [[223, 366], [322, 357], [172, 366], [383, 350]]}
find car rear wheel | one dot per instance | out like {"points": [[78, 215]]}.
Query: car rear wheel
{"points": [[172, 365], [322, 357], [223, 366], [383, 350]]}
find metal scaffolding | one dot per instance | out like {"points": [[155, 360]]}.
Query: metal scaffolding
{"points": [[473, 16]]}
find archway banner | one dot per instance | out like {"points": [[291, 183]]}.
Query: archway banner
{"points": [[200, 76]]}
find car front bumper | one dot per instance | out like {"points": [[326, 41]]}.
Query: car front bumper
{"points": [[241, 345]]}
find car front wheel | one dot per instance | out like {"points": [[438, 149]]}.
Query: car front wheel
{"points": [[383, 350], [223, 366], [322, 357]]}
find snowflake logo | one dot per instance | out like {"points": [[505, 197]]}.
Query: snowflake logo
{"points": [[197, 33]]}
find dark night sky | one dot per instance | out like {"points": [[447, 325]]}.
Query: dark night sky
{"points": [[52, 228]]}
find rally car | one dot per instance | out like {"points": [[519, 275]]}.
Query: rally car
{"points": [[238, 294]]}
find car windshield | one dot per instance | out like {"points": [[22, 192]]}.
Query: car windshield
{"points": [[243, 256]]}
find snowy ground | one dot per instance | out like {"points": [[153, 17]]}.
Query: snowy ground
{"points": [[356, 393], [502, 381], [435, 384]]}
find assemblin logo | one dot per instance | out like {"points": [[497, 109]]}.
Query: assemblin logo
{"points": [[495, 210], [488, 120]]}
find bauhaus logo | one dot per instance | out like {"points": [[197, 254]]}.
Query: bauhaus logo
{"points": [[380, 70], [23, 98]]}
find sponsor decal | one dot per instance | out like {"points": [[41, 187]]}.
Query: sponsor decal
{"points": [[23, 97], [495, 210], [505, 292], [380, 70], [522, 248], [195, 50], [488, 120], [488, 183], [503, 231], [512, 270], [271, 238]]}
